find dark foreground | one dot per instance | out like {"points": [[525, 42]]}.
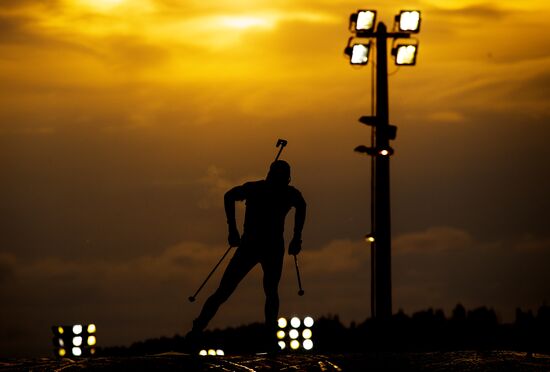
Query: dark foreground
{"points": [[437, 361]]}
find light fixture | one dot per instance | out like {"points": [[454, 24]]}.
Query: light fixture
{"points": [[358, 53], [212, 352], [77, 351], [77, 341], [295, 322], [294, 344], [308, 344], [220, 352], [363, 22], [281, 335], [374, 151], [293, 334], [308, 321], [409, 21], [282, 323], [306, 333], [282, 345], [61, 352], [405, 54], [203, 353], [77, 329], [91, 328], [91, 340], [369, 238]]}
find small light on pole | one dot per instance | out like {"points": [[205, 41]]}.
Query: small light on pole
{"points": [[369, 238]]}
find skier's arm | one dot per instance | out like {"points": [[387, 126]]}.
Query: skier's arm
{"points": [[230, 197], [299, 219]]}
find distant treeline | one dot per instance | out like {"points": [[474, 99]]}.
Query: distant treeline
{"points": [[429, 330]]}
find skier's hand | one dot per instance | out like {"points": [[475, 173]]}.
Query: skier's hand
{"points": [[234, 239], [295, 246]]}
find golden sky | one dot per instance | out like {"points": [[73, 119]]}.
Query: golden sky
{"points": [[122, 122]]}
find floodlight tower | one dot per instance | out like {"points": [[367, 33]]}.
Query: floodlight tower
{"points": [[363, 24]]}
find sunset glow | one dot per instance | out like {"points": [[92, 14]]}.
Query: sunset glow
{"points": [[124, 122]]}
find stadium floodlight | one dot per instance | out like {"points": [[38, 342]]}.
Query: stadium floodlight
{"points": [[405, 54], [409, 21], [74, 340], [308, 344], [363, 22], [282, 345], [281, 335], [306, 333], [295, 322], [220, 352], [293, 334], [212, 352], [282, 323], [294, 344], [308, 321], [203, 353], [358, 53]]}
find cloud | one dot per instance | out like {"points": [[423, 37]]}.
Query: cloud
{"points": [[478, 11]]}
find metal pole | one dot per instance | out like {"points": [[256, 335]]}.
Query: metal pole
{"points": [[382, 244]]}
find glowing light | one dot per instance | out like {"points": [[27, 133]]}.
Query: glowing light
{"points": [[101, 4], [91, 340], [308, 344], [77, 329], [293, 334], [62, 352], [365, 20], [77, 341], [77, 351], [360, 54], [281, 335], [384, 152], [92, 351], [60, 330], [203, 353], [294, 344], [295, 322], [243, 23], [61, 342], [406, 54], [91, 328], [282, 345], [308, 321], [282, 323], [220, 352], [306, 333], [409, 20], [369, 238], [212, 352]]}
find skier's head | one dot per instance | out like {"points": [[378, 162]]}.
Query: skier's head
{"points": [[279, 173]]}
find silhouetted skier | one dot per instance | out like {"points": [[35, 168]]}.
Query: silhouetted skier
{"points": [[267, 204]]}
